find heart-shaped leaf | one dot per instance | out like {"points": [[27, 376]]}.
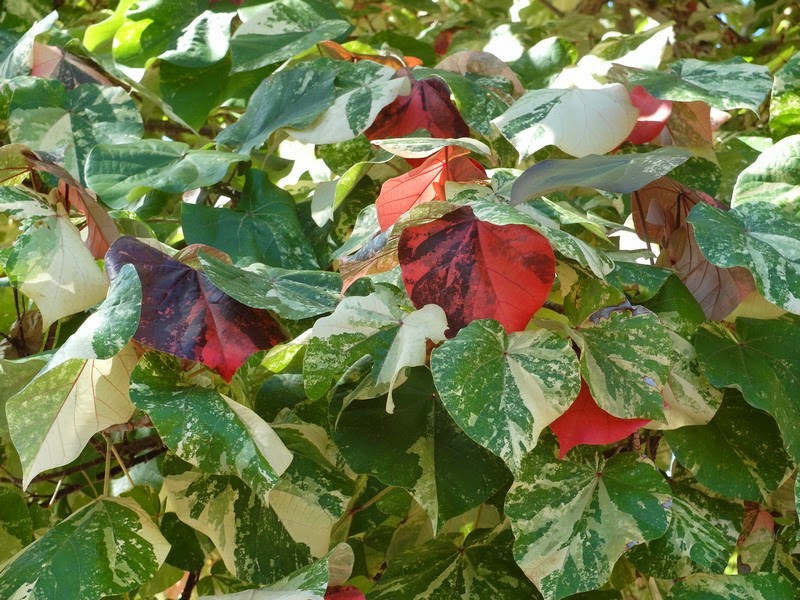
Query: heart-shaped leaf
{"points": [[425, 183], [184, 314], [477, 270], [503, 390], [774, 177]]}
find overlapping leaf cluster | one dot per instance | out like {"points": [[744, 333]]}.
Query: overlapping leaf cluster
{"points": [[329, 300]]}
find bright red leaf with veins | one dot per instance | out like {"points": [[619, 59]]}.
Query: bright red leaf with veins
{"points": [[428, 107], [425, 183], [477, 270], [653, 115], [184, 314], [586, 423]]}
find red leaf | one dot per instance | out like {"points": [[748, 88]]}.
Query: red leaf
{"points": [[428, 106], [339, 52], [425, 183], [653, 115], [586, 423], [184, 314], [477, 270], [344, 592]]}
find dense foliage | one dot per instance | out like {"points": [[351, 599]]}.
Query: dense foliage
{"points": [[411, 299]]}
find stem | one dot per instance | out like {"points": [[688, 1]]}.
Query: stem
{"points": [[118, 458], [557, 12], [644, 226], [107, 478], [191, 582], [372, 500]]}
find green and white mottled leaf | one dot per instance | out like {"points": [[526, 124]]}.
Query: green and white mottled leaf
{"points": [[378, 326], [20, 204], [109, 547], [202, 42], [701, 536], [313, 493], [503, 390], [418, 448], [15, 375], [574, 518], [355, 110], [410, 147], [308, 583], [578, 121], [757, 586], [784, 104], [290, 98], [45, 116], [278, 30], [207, 429], [73, 400], [625, 359], [122, 173], [726, 85], [774, 177], [760, 236], [761, 360], [766, 551], [246, 532], [50, 264], [16, 526], [16, 59], [289, 294], [735, 454], [449, 566]]}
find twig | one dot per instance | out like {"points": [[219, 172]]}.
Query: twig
{"points": [[140, 423], [556, 11], [107, 478], [120, 462], [191, 581]]}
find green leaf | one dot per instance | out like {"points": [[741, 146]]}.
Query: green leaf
{"points": [[263, 226], [503, 390], [279, 30], [758, 586], [784, 104], [759, 236], [46, 116], [122, 173], [774, 177], [542, 63], [247, 533], [449, 566], [419, 448], [625, 359], [109, 547], [760, 360], [377, 326], [620, 174], [578, 121], [574, 518], [193, 93], [422, 147], [186, 552], [290, 294], [208, 429], [290, 98], [726, 85], [16, 526], [202, 42]]}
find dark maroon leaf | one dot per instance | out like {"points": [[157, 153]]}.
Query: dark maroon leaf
{"points": [[184, 314]]}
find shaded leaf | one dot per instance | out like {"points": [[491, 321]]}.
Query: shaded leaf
{"points": [[541, 64], [758, 586], [16, 526], [774, 177], [784, 104], [185, 315], [476, 270]]}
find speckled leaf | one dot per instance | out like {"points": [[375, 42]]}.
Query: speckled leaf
{"points": [[16, 58], [20, 204], [449, 566], [503, 390], [757, 586], [202, 42], [419, 448], [289, 294], [423, 147], [784, 104], [262, 226], [621, 173], [289, 98], [74, 399], [701, 536], [247, 533], [46, 116], [761, 360], [774, 177], [726, 85], [16, 526], [185, 315], [276, 31], [209, 430], [108, 547], [771, 548], [625, 359], [578, 121], [574, 518], [378, 326], [50, 264], [356, 109], [735, 453]]}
